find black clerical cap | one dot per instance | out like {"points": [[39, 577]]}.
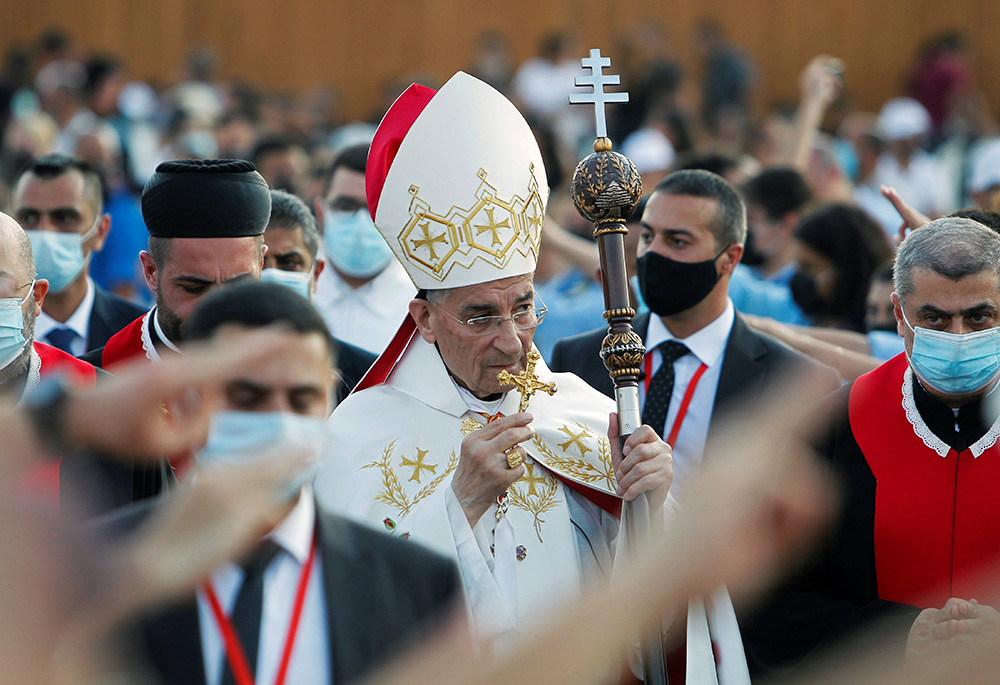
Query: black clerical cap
{"points": [[207, 198]]}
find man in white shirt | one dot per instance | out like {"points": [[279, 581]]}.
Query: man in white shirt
{"points": [[365, 293], [362, 595], [692, 237], [58, 201]]}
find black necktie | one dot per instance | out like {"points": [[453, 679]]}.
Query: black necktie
{"points": [[247, 610], [654, 412], [61, 338]]}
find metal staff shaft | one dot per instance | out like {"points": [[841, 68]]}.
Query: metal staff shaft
{"points": [[606, 188]]}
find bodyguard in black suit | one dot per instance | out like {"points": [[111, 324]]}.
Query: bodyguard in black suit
{"points": [[58, 200], [382, 595], [693, 229]]}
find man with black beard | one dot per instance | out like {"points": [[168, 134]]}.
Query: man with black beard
{"points": [[701, 357], [206, 221]]}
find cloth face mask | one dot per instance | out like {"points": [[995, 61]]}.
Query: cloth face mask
{"points": [[354, 245], [669, 287], [59, 257], [12, 340], [296, 280], [953, 363], [236, 437]]}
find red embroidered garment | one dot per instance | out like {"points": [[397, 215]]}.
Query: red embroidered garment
{"points": [[937, 522]]}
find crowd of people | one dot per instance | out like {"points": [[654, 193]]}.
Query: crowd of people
{"points": [[298, 399]]}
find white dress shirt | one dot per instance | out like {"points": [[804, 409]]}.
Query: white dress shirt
{"points": [[78, 321], [707, 346], [367, 316], [310, 662]]}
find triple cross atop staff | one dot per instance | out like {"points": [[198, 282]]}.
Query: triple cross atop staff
{"points": [[527, 382], [597, 80]]}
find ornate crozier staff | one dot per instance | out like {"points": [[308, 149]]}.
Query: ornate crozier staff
{"points": [[606, 189]]}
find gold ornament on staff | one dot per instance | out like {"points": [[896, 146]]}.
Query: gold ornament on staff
{"points": [[527, 384]]}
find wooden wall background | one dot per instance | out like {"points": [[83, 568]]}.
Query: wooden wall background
{"points": [[360, 44]]}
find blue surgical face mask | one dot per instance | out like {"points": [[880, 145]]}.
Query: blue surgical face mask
{"points": [[236, 437], [952, 363], [59, 257], [12, 340], [354, 245], [298, 281]]}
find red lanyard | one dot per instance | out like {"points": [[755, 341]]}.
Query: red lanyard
{"points": [[647, 368], [234, 650]]}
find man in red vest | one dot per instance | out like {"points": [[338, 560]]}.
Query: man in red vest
{"points": [[915, 451], [23, 362]]}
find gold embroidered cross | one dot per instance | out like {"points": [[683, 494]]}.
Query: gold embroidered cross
{"points": [[428, 240], [535, 218], [492, 226], [531, 479], [527, 382], [418, 464], [574, 439]]}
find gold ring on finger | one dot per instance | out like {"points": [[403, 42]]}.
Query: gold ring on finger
{"points": [[514, 457]]}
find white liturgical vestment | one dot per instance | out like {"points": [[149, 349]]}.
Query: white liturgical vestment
{"points": [[391, 450]]}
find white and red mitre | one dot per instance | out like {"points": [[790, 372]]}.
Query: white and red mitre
{"points": [[456, 185]]}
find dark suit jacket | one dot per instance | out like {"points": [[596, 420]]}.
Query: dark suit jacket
{"points": [[751, 362], [109, 315], [382, 595]]}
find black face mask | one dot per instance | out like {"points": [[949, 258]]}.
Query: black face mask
{"points": [[806, 296], [670, 287]]}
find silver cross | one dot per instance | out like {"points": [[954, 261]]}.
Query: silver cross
{"points": [[598, 96]]}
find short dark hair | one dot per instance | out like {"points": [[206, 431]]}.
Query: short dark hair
{"points": [[254, 304], [778, 191], [288, 213], [55, 165], [354, 158], [730, 223], [987, 218], [270, 145]]}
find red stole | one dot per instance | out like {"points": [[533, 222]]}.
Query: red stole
{"points": [[43, 478], [124, 345], [937, 522]]}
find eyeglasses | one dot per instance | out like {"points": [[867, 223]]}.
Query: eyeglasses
{"points": [[13, 293], [527, 316]]}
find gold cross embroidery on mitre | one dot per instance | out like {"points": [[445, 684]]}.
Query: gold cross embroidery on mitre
{"points": [[492, 226], [428, 240], [527, 382]]}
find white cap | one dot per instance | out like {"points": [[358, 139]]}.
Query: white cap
{"points": [[456, 185], [984, 170], [903, 118], [649, 149]]}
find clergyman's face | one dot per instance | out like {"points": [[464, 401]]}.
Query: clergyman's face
{"points": [[193, 267], [475, 360]]}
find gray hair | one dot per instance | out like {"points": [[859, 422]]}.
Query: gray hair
{"points": [[951, 247], [289, 212]]}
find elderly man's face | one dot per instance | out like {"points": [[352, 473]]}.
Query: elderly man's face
{"points": [[16, 283], [193, 267], [475, 360]]}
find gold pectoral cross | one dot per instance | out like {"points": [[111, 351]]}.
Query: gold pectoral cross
{"points": [[527, 382]]}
